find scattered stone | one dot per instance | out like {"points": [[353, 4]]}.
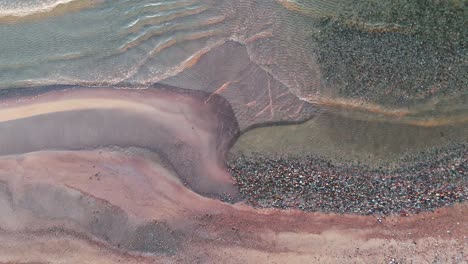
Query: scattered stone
{"points": [[422, 182]]}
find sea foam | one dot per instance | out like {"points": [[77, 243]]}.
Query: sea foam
{"points": [[28, 7]]}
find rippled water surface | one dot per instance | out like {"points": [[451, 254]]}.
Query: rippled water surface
{"points": [[105, 42]]}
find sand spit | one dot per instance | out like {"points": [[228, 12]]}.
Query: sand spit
{"points": [[177, 124]]}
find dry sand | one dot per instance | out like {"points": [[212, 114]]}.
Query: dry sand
{"points": [[89, 208]]}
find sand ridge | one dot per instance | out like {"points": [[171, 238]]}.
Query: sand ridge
{"points": [[228, 233], [156, 119]]}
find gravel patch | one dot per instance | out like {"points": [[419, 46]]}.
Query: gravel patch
{"points": [[421, 182]]}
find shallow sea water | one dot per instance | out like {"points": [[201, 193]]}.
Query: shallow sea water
{"points": [[96, 41], [138, 43]]}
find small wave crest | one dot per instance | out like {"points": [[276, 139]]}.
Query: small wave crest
{"points": [[22, 8]]}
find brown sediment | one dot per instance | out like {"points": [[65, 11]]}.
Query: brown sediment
{"points": [[192, 61], [166, 45], [211, 231], [443, 121], [290, 5], [219, 90], [316, 8], [163, 30], [357, 105], [161, 19], [379, 112]]}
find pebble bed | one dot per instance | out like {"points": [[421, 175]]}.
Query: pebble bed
{"points": [[419, 183]]}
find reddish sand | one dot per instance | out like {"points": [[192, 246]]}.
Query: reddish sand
{"points": [[180, 125], [88, 201], [100, 198]]}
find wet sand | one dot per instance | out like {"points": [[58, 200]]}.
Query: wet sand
{"points": [[108, 173], [178, 124], [183, 227]]}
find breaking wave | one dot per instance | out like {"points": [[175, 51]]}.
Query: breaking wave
{"points": [[28, 7]]}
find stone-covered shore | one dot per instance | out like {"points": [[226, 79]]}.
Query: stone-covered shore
{"points": [[422, 182]]}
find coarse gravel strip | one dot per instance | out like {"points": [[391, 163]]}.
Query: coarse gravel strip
{"points": [[421, 182]]}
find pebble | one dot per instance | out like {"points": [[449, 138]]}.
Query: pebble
{"points": [[422, 182]]}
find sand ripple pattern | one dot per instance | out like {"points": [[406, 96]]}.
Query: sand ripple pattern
{"points": [[118, 41], [141, 42]]}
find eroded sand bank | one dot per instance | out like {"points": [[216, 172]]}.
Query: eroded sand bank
{"points": [[105, 175], [182, 126], [119, 205]]}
